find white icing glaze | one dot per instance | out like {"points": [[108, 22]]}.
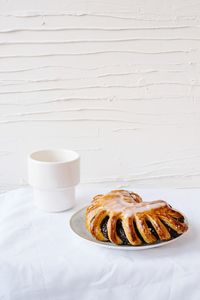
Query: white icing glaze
{"points": [[126, 195], [118, 204]]}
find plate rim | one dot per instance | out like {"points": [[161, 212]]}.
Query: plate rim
{"points": [[121, 247]]}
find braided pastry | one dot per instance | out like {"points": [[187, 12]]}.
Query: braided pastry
{"points": [[121, 217]]}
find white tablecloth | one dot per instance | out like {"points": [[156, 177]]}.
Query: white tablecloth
{"points": [[42, 259]]}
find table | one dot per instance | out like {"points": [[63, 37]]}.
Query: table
{"points": [[41, 258]]}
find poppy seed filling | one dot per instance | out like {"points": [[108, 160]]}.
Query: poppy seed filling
{"points": [[122, 235]]}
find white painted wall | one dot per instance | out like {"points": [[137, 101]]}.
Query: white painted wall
{"points": [[116, 80]]}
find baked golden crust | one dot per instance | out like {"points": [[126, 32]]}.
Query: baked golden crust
{"points": [[121, 217]]}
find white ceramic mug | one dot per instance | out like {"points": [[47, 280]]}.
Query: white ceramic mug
{"points": [[53, 174]]}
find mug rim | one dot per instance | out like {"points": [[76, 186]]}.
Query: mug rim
{"points": [[63, 150]]}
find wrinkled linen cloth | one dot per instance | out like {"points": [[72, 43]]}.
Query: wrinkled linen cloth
{"points": [[42, 259]]}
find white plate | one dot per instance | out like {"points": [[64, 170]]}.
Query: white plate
{"points": [[77, 224]]}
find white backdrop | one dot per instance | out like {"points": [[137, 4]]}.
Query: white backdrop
{"points": [[116, 80]]}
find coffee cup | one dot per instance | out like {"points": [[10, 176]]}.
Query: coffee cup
{"points": [[53, 175]]}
